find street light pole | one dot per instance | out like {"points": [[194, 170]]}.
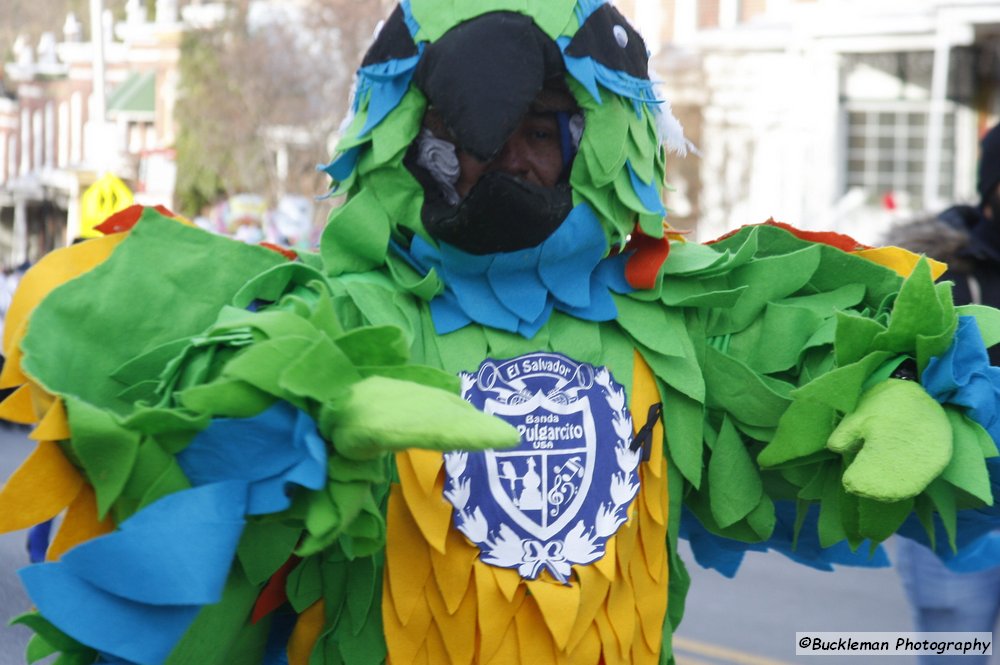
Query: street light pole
{"points": [[99, 100]]}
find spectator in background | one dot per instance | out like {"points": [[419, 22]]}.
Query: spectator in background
{"points": [[960, 595], [9, 279]]}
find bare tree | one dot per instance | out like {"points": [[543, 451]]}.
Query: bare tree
{"points": [[33, 17], [273, 77]]}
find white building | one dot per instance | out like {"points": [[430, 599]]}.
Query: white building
{"points": [[825, 114], [71, 111]]}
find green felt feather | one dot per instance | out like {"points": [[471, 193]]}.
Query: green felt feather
{"points": [[683, 418], [943, 500], [659, 329], [48, 639], [104, 341], [154, 475], [603, 142], [106, 450], [877, 520], [966, 469], [802, 431], [733, 387], [218, 628], [841, 388], [567, 332], [229, 398], [690, 258], [988, 320], [734, 484], [357, 236], [774, 342], [425, 287], [923, 318], [265, 546]]}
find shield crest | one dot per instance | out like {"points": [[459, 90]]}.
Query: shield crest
{"points": [[552, 502], [542, 483]]}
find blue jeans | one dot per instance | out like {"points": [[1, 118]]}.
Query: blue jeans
{"points": [[945, 601]]}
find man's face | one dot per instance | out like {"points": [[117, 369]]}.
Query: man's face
{"points": [[533, 152]]}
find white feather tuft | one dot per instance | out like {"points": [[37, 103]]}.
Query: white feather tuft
{"points": [[670, 131], [668, 127]]}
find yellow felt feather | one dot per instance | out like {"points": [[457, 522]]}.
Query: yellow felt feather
{"points": [[457, 629], [79, 525], [427, 506], [508, 652], [52, 270], [307, 630], [559, 605], [39, 490], [901, 260], [507, 580], [533, 637], [436, 647], [12, 376], [406, 642], [453, 569], [46, 483], [19, 407], [53, 426], [593, 592], [495, 612], [408, 563], [587, 650]]}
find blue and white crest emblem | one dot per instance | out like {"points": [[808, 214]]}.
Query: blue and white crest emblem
{"points": [[555, 499]]}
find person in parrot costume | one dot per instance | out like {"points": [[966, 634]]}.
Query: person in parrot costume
{"points": [[472, 426]]}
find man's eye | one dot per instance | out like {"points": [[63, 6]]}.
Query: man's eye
{"points": [[542, 131]]}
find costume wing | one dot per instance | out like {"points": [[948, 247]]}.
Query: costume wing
{"points": [[814, 399], [188, 389]]}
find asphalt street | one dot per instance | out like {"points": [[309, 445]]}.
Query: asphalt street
{"points": [[752, 618], [749, 620], [14, 447]]}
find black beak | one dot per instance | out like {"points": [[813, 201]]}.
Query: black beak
{"points": [[482, 76]]}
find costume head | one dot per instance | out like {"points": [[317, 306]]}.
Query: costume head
{"points": [[450, 83]]}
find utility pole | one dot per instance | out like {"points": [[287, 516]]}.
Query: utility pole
{"points": [[100, 104]]}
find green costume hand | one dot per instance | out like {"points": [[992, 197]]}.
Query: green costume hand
{"points": [[385, 415], [901, 438]]}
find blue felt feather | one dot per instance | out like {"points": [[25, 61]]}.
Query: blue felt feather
{"points": [[169, 559], [411, 22], [964, 377], [517, 291], [383, 85], [725, 555], [277, 447], [648, 194], [588, 72]]}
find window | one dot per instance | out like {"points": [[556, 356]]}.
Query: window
{"points": [[886, 149], [708, 14]]}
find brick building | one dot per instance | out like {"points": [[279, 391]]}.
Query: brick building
{"points": [[53, 144]]}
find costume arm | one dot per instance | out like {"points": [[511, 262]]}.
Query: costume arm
{"points": [[840, 403], [206, 398]]}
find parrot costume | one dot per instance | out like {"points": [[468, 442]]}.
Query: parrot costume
{"points": [[472, 427]]}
